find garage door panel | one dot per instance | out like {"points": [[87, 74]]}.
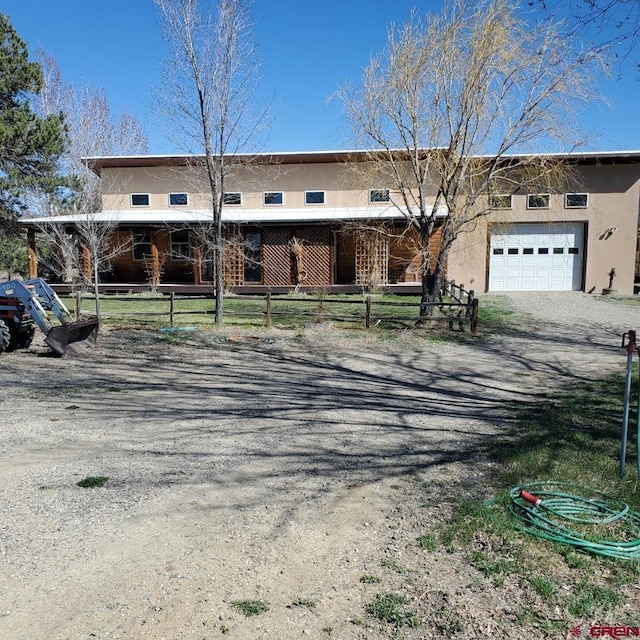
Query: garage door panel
{"points": [[536, 257]]}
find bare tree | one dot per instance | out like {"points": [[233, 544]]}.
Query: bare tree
{"points": [[210, 97], [612, 26], [93, 131], [454, 110]]}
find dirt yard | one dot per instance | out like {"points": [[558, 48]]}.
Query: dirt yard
{"points": [[283, 470]]}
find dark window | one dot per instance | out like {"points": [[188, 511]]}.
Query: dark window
{"points": [[558, 250], [528, 251], [512, 252], [178, 199], [379, 195], [500, 202], [573, 250], [538, 201], [498, 252], [314, 197], [253, 257], [141, 245], [179, 245], [232, 198], [139, 199], [578, 200], [273, 197], [543, 251]]}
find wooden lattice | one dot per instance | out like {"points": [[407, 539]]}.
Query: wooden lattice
{"points": [[276, 257], [233, 261], [315, 260], [372, 258]]}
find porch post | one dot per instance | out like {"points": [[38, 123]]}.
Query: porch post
{"points": [[86, 264], [197, 266], [32, 254], [155, 260]]}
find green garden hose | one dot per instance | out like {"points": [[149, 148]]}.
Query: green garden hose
{"points": [[577, 516]]}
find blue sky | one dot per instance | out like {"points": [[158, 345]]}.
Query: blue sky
{"points": [[307, 48]]}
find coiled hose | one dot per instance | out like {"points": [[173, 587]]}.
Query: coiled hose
{"points": [[577, 516]]}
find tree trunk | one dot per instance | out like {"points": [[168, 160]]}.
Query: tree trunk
{"points": [[96, 290], [217, 256]]}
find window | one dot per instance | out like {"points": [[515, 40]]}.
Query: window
{"points": [[253, 257], [576, 200], [379, 195], [574, 250], [543, 251], [179, 245], [314, 197], [513, 251], [139, 199], [498, 252], [500, 201], [141, 245], [527, 251], [558, 250], [273, 197], [233, 198], [538, 201], [178, 199]]}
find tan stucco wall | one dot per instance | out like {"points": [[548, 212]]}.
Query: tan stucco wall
{"points": [[614, 193], [292, 180]]}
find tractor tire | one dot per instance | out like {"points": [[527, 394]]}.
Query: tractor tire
{"points": [[26, 339], [5, 336], [20, 339]]}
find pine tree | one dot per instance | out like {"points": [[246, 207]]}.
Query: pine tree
{"points": [[29, 145]]}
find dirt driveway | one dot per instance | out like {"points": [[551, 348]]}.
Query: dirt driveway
{"points": [[283, 471]]}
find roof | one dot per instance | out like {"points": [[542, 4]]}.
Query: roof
{"points": [[232, 215], [309, 157]]}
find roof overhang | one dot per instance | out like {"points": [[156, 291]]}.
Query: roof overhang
{"points": [[231, 216], [96, 163]]}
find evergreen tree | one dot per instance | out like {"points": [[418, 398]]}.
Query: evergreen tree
{"points": [[29, 145]]}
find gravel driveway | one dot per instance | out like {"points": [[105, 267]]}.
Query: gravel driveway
{"points": [[281, 471]]}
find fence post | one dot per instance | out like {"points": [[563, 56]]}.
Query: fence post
{"points": [[268, 314], [172, 301], [367, 312], [78, 304], [474, 316]]}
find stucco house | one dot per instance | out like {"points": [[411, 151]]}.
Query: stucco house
{"points": [[301, 218]]}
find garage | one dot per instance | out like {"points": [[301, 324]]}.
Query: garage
{"points": [[536, 257]]}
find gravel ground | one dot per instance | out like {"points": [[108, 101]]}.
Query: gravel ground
{"points": [[283, 471]]}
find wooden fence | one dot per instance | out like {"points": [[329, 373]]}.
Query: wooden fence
{"points": [[456, 306]]}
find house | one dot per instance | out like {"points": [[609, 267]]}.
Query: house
{"points": [[308, 219]]}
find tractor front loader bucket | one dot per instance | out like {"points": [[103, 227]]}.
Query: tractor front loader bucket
{"points": [[59, 338]]}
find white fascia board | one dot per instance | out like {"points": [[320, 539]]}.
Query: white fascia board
{"points": [[232, 215]]}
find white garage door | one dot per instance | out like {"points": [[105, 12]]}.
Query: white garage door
{"points": [[536, 257]]}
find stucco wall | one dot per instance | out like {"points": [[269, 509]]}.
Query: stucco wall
{"points": [[614, 193]]}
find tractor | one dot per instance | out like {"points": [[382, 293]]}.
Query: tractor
{"points": [[27, 303]]}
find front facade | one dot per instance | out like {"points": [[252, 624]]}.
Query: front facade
{"points": [[309, 219]]}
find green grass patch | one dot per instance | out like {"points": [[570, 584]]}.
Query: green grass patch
{"points": [[543, 586], [290, 311], [305, 602], [392, 608], [390, 563], [428, 541], [496, 315], [369, 579], [571, 437], [251, 607], [91, 482], [589, 598]]}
